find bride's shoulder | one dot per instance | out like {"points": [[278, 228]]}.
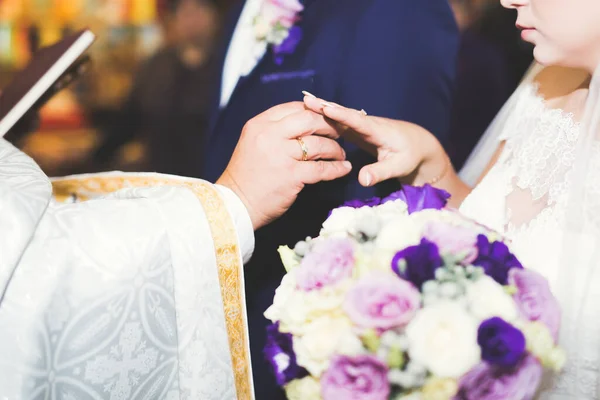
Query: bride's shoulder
{"points": [[563, 88]]}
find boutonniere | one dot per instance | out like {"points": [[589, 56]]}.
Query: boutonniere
{"points": [[276, 26]]}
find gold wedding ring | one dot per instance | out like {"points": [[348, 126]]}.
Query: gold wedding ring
{"points": [[304, 149]]}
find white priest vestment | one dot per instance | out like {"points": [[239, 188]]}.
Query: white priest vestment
{"points": [[134, 291]]}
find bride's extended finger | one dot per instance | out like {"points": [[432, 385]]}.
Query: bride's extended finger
{"points": [[393, 167], [353, 119], [314, 104], [310, 148]]}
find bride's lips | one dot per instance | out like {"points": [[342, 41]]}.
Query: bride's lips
{"points": [[526, 32]]}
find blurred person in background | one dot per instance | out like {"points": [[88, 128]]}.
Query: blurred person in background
{"points": [[167, 109], [497, 25], [484, 82], [395, 58]]}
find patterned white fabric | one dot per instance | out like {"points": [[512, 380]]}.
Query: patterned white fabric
{"points": [[115, 298], [525, 196]]}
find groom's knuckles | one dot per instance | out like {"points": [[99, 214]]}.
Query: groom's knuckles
{"points": [[297, 124], [324, 148], [281, 111]]}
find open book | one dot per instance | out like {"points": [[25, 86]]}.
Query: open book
{"points": [[34, 84]]}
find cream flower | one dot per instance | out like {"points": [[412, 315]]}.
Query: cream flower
{"points": [[443, 338], [486, 299], [304, 307], [410, 396], [323, 338], [439, 389], [288, 258], [303, 389], [541, 344]]}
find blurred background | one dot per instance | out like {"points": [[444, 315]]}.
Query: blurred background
{"points": [[153, 64], [129, 32]]}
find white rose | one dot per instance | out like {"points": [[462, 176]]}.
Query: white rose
{"points": [[443, 338], [339, 222], [486, 298], [392, 209], [283, 295], [323, 338], [399, 233]]}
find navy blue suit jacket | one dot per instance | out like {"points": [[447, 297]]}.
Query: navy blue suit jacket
{"points": [[393, 58]]}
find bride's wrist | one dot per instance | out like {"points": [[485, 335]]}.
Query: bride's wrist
{"points": [[435, 164]]}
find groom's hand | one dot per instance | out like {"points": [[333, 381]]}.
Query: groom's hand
{"points": [[270, 166]]}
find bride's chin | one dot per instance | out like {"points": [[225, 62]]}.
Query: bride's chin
{"points": [[543, 57]]}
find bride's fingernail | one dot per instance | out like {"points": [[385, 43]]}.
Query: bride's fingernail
{"points": [[304, 92], [347, 165], [369, 179]]}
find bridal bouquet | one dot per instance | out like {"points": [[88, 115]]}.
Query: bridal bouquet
{"points": [[400, 298]]}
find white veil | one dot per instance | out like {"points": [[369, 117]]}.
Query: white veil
{"points": [[578, 281], [487, 145]]}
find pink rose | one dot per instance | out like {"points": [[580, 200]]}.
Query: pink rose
{"points": [[535, 299], [355, 378], [329, 262], [453, 240], [382, 302]]}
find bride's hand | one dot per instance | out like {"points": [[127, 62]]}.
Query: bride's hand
{"points": [[404, 150], [270, 166]]}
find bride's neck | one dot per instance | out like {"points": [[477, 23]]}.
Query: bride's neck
{"points": [[564, 88]]}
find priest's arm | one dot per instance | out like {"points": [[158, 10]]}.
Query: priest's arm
{"points": [[128, 286]]}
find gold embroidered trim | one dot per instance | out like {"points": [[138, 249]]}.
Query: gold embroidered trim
{"points": [[226, 251]]}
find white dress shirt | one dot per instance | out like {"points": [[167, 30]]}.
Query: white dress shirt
{"points": [[244, 51]]}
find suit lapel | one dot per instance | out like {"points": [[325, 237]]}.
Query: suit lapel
{"points": [[229, 32]]}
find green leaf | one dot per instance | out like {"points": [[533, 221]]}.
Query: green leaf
{"points": [[371, 341], [395, 358]]}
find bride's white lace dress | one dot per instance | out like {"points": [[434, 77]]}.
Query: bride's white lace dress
{"points": [[524, 196]]}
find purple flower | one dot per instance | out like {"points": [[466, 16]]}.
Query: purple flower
{"points": [[279, 351], [372, 202], [382, 302], [420, 198], [486, 382], [495, 259], [288, 46], [329, 262], [535, 300], [417, 264], [355, 378], [501, 343], [454, 240]]}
